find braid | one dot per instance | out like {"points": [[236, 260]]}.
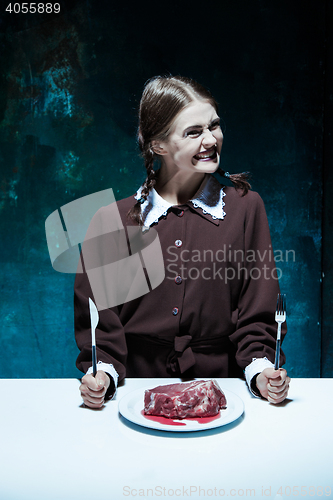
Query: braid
{"points": [[240, 181], [135, 212]]}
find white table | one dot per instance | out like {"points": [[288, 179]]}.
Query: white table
{"points": [[52, 448]]}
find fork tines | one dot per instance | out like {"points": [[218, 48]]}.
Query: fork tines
{"points": [[280, 317]]}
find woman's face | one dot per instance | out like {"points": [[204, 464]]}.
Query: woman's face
{"points": [[195, 141]]}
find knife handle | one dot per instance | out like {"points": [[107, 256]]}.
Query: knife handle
{"points": [[94, 360]]}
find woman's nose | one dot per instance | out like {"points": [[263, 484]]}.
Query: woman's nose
{"points": [[208, 139]]}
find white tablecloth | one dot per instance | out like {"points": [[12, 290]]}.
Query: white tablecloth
{"points": [[53, 448]]}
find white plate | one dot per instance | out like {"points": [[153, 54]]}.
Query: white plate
{"points": [[131, 406]]}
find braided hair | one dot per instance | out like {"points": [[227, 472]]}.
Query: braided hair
{"points": [[240, 181], [163, 98], [135, 212]]}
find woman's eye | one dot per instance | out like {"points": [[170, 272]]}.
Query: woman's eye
{"points": [[215, 125], [193, 133]]}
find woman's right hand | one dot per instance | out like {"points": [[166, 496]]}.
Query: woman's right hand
{"points": [[93, 389]]}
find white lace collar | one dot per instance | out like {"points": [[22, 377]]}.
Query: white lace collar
{"points": [[209, 198]]}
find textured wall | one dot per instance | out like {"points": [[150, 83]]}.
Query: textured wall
{"points": [[327, 297], [69, 91]]}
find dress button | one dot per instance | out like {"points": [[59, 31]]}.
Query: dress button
{"points": [[175, 311], [180, 213], [178, 280], [178, 243]]}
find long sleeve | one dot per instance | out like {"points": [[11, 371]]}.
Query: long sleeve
{"points": [[97, 251], [255, 334], [110, 338]]}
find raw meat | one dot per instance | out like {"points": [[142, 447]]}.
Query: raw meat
{"points": [[192, 399]]}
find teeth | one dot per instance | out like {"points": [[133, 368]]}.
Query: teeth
{"points": [[206, 154]]}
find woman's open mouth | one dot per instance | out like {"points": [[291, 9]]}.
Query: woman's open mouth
{"points": [[209, 154]]}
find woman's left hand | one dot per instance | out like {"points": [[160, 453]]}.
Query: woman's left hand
{"points": [[273, 384]]}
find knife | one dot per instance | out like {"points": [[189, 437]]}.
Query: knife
{"points": [[94, 318]]}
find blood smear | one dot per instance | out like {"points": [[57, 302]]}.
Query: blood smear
{"points": [[206, 420], [162, 420], [170, 421]]}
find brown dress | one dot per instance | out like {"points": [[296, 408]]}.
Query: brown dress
{"points": [[214, 311]]}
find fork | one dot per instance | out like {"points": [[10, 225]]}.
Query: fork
{"points": [[280, 317]]}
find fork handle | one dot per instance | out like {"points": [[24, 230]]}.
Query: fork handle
{"points": [[277, 355]]}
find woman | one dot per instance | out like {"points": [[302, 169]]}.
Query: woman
{"points": [[213, 314]]}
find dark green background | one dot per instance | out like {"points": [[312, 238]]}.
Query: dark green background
{"points": [[69, 90]]}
